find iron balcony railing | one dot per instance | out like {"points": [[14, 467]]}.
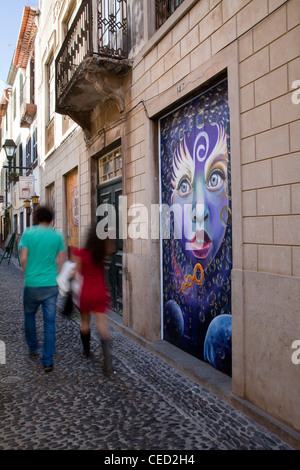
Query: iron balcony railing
{"points": [[112, 28], [164, 9], [106, 36]]}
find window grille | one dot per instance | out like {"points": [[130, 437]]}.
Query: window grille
{"points": [[110, 166], [112, 26]]}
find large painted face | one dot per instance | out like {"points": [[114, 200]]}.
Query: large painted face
{"points": [[200, 188]]}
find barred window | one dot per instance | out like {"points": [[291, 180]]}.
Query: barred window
{"points": [[110, 165]]}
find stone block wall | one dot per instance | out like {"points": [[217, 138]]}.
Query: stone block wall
{"points": [[258, 43]]}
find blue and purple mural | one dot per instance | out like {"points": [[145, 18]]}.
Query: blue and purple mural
{"points": [[196, 231]]}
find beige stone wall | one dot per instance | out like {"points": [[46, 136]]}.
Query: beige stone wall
{"points": [[258, 43], [269, 63], [59, 163]]}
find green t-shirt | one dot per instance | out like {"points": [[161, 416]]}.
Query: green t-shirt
{"points": [[43, 244]]}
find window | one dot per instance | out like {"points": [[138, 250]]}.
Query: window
{"points": [[50, 99], [112, 25], [28, 153], [16, 223], [69, 17], [14, 164], [34, 146], [164, 9], [14, 104], [20, 158], [21, 222], [66, 25], [32, 81], [21, 89], [51, 87], [110, 165]]}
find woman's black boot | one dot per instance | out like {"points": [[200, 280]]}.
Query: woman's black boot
{"points": [[85, 338]]}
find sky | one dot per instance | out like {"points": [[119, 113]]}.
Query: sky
{"points": [[11, 16]]}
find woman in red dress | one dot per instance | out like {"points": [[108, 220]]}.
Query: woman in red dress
{"points": [[94, 296]]}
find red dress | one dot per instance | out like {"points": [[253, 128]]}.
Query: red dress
{"points": [[94, 295]]}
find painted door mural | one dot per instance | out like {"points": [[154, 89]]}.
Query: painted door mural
{"points": [[196, 231], [72, 208]]}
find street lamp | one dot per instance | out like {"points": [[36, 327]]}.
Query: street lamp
{"points": [[10, 149], [31, 208], [35, 200]]}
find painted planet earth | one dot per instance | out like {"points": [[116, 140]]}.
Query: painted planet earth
{"points": [[217, 345], [174, 319]]}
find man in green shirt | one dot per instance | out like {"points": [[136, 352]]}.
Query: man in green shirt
{"points": [[42, 256]]}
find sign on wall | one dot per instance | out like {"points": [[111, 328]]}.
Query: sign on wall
{"points": [[196, 229], [26, 187]]}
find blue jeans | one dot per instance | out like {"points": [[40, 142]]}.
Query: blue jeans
{"points": [[46, 297]]}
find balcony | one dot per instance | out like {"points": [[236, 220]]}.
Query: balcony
{"points": [[92, 61], [28, 112], [27, 106]]}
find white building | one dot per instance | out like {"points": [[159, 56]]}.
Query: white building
{"points": [[19, 123]]}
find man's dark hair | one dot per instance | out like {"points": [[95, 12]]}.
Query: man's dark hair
{"points": [[43, 214]]}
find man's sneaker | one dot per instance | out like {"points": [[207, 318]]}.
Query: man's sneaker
{"points": [[48, 368]]}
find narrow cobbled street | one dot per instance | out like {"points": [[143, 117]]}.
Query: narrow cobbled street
{"points": [[146, 405]]}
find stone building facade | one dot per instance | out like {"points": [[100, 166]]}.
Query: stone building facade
{"points": [[19, 179], [106, 140]]}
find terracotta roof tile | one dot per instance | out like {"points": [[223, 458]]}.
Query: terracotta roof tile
{"points": [[26, 37]]}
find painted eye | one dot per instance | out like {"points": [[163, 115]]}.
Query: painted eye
{"points": [[184, 187], [215, 180]]}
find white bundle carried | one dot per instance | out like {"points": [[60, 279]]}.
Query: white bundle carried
{"points": [[64, 277], [69, 282]]}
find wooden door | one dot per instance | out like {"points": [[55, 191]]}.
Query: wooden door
{"points": [[110, 194]]}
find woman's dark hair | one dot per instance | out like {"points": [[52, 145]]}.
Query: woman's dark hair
{"points": [[43, 214], [96, 245]]}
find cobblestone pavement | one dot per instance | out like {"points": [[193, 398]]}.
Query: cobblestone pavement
{"points": [[146, 405]]}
